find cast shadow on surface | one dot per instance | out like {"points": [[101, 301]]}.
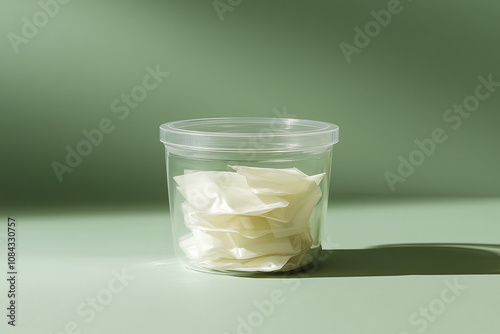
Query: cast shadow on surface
{"points": [[405, 259]]}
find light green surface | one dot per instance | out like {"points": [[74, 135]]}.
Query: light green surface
{"points": [[392, 257]]}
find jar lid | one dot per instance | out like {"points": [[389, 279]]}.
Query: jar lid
{"points": [[249, 133]]}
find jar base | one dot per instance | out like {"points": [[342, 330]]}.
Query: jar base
{"points": [[308, 264]]}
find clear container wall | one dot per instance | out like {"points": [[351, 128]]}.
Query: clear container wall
{"points": [[248, 194]]}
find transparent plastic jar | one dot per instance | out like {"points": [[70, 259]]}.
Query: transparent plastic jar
{"points": [[248, 195]]}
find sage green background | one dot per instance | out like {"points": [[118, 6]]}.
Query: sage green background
{"points": [[264, 55]]}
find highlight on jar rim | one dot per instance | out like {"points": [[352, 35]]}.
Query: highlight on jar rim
{"points": [[248, 194]]}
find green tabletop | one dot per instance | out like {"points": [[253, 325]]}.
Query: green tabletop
{"points": [[405, 265]]}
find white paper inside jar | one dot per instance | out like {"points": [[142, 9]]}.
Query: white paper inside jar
{"points": [[253, 219]]}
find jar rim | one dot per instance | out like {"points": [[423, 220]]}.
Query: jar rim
{"points": [[248, 133]]}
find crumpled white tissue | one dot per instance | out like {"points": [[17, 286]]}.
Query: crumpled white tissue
{"points": [[253, 219]]}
